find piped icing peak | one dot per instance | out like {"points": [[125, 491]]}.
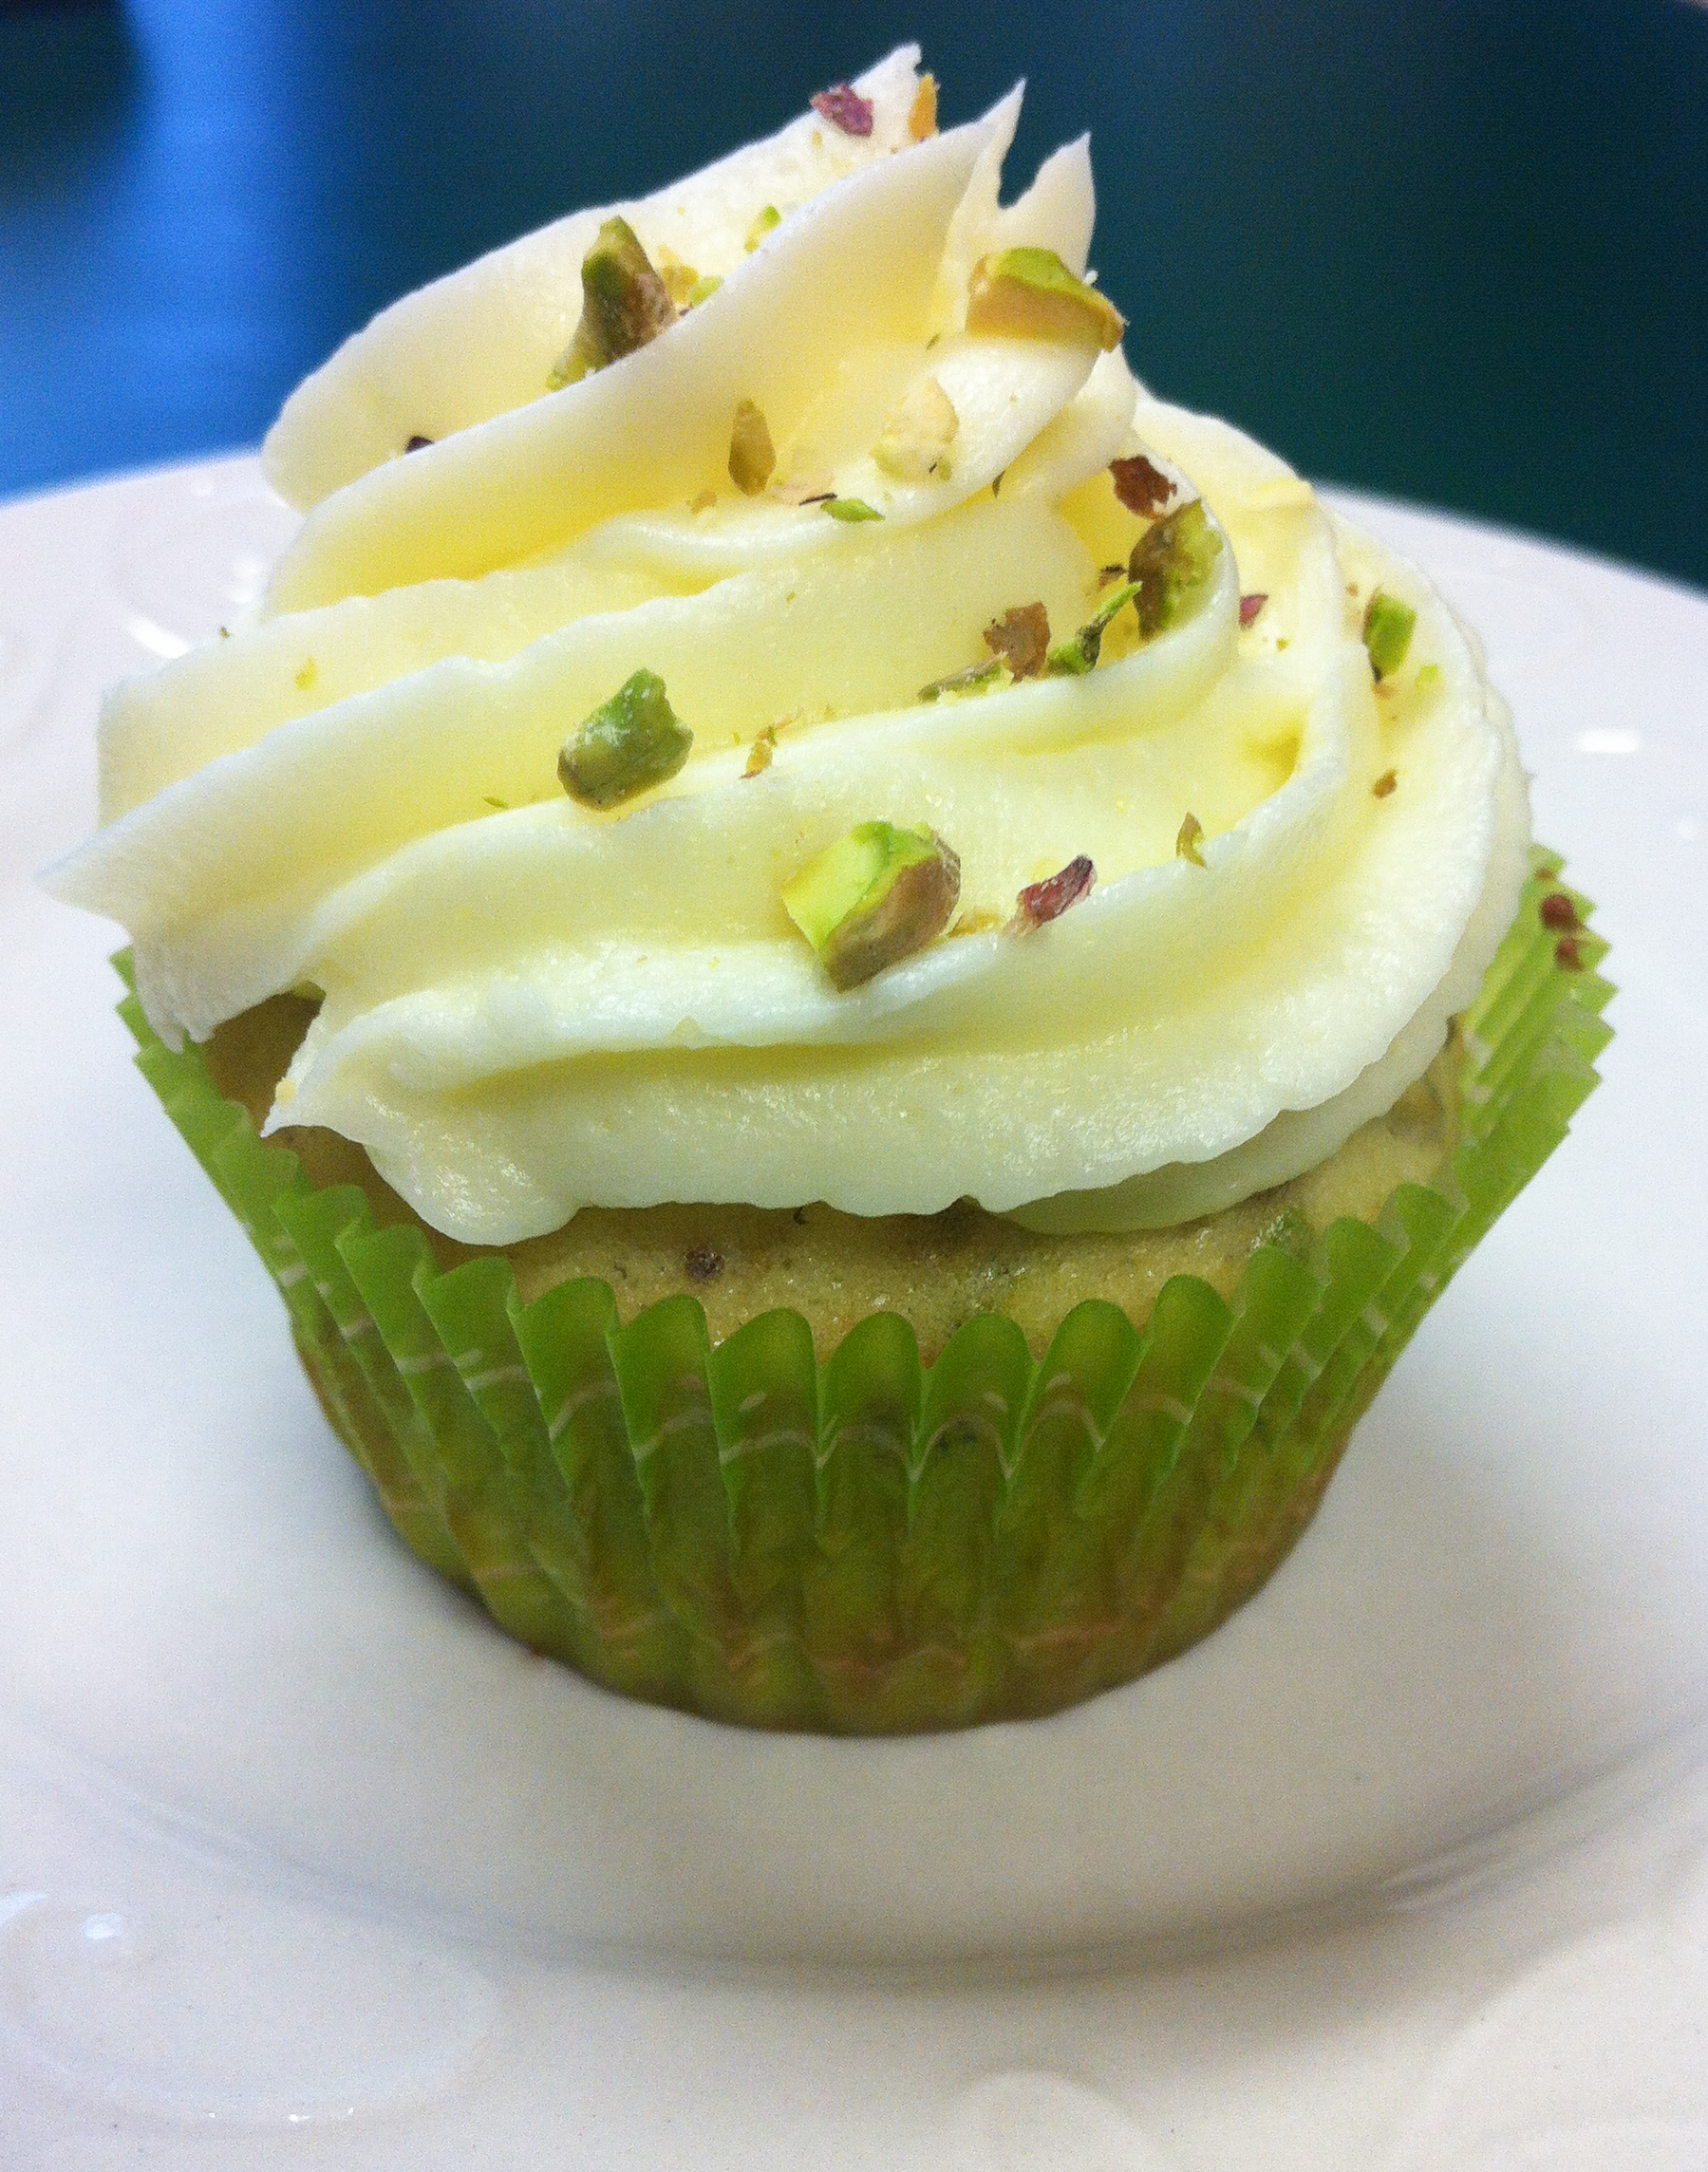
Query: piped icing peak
{"points": [[895, 560]]}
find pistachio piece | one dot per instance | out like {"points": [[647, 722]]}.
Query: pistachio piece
{"points": [[680, 279], [922, 114], [851, 509], [844, 108], [418, 443], [1029, 293], [1188, 841], [1251, 604], [1385, 783], [762, 752], [752, 455], [765, 220], [1140, 485], [1079, 653], [1388, 624], [1172, 560], [917, 433], [976, 679], [1022, 638], [623, 305], [1041, 902], [629, 742], [702, 290], [873, 897]]}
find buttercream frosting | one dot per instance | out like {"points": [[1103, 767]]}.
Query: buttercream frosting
{"points": [[531, 1005]]}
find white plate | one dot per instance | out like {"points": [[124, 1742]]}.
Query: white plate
{"points": [[301, 1863]]}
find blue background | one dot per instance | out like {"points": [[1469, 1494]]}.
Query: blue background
{"points": [[1455, 252]]}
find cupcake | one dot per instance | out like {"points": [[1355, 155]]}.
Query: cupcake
{"points": [[856, 980]]}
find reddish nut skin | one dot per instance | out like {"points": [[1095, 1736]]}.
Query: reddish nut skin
{"points": [[1140, 485], [1568, 953], [1022, 638], [1251, 604], [1558, 912], [1041, 902], [844, 108]]}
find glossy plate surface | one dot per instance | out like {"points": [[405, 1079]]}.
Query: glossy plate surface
{"points": [[301, 1863]]}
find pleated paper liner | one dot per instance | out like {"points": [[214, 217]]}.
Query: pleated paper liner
{"points": [[872, 1544]]}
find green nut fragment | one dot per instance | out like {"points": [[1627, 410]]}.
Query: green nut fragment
{"points": [[765, 221], [1029, 293], [917, 433], [702, 290], [1080, 652], [680, 279], [631, 741], [1388, 624], [977, 678], [752, 455], [1188, 841], [873, 897], [851, 509], [1170, 563], [624, 304]]}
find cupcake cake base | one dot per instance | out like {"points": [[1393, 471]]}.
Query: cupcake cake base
{"points": [[774, 1521]]}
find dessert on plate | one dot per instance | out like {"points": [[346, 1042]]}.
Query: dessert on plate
{"points": [[858, 979]]}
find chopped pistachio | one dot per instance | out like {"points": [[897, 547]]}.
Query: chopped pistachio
{"points": [[418, 443], [500, 806], [851, 509], [1251, 604], [977, 678], [1080, 652], [980, 921], [680, 279], [1029, 293], [702, 290], [629, 742], [765, 220], [623, 305], [1388, 624], [1187, 842], [1041, 902], [762, 753], [1140, 485], [1428, 675], [922, 114], [752, 455], [1108, 573], [702, 501], [307, 675], [844, 108], [1170, 562], [1022, 638], [917, 434], [873, 897], [1385, 783]]}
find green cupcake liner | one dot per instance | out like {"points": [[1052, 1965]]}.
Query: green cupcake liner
{"points": [[872, 1544]]}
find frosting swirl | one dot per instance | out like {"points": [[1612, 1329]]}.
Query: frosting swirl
{"points": [[531, 1005]]}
